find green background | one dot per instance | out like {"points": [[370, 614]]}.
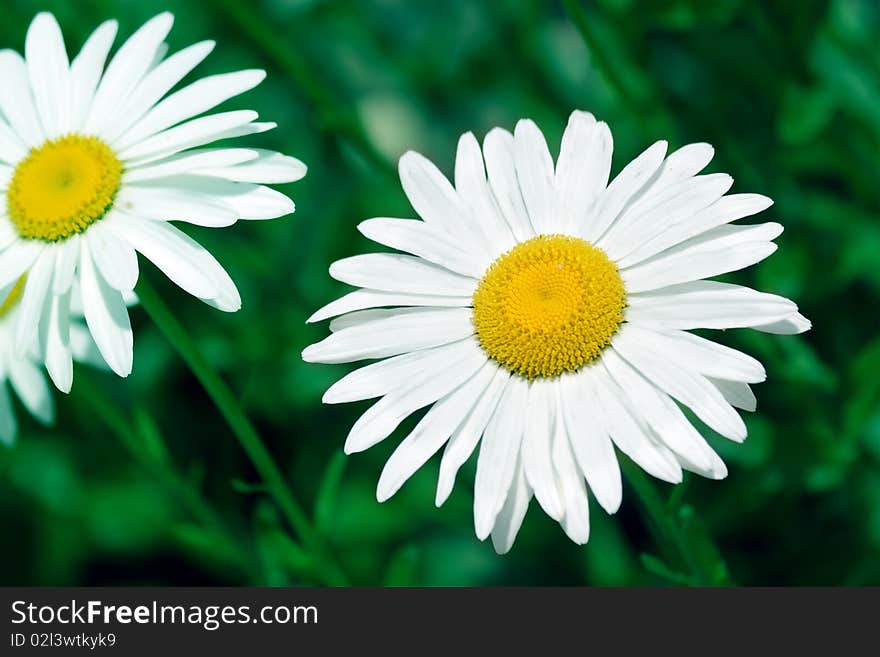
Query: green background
{"points": [[141, 482]]}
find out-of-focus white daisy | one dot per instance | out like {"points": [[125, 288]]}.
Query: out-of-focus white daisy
{"points": [[24, 374], [543, 314], [96, 161]]}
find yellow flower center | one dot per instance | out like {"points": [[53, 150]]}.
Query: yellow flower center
{"points": [[63, 187], [12, 298], [549, 305]]}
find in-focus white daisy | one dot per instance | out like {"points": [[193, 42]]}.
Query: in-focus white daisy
{"points": [[543, 314], [24, 374], [96, 161]]}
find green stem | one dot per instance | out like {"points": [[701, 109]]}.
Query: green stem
{"points": [[120, 426], [241, 426]]}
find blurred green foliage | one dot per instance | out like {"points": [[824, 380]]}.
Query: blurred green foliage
{"points": [[142, 483]]}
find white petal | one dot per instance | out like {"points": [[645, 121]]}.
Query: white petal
{"points": [[590, 442], [395, 272], [534, 171], [183, 260], [712, 255], [86, 70], [55, 337], [196, 160], [679, 381], [430, 193], [49, 74], [432, 431], [155, 85], [537, 455], [466, 437], [629, 432], [17, 259], [382, 377], [12, 149], [499, 452], [687, 161], [106, 316], [705, 356], [707, 304], [30, 385], [127, 68], [723, 211], [361, 299], [791, 325], [738, 394], [165, 204], [576, 521], [420, 239], [627, 184], [498, 150], [475, 194], [513, 512], [16, 99], [66, 259], [392, 336], [383, 417], [33, 300], [194, 99], [268, 167], [660, 412], [364, 316], [582, 170], [652, 215], [190, 134], [114, 257]]}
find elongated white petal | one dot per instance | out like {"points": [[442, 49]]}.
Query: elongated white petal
{"points": [[394, 272], [737, 393], [12, 149], [534, 172], [379, 378], [181, 259], [707, 304], [422, 240], [55, 338], [790, 325], [267, 168], [576, 521], [430, 193], [474, 191], [106, 316], [127, 68], [513, 512], [432, 431], [590, 440], [166, 204], [392, 336], [114, 257], [49, 74], [384, 416], [499, 452], [582, 170], [66, 260], [537, 454], [687, 386], [86, 70], [194, 99], [468, 435], [723, 211], [687, 161], [17, 259], [197, 160], [17, 100], [367, 298], [498, 151], [190, 134], [33, 300], [30, 385], [627, 184]]}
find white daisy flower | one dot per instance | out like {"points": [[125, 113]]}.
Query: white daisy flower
{"points": [[543, 314], [96, 161], [25, 373]]}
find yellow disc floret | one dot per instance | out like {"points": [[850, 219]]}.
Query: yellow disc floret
{"points": [[13, 297], [63, 187], [549, 305]]}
